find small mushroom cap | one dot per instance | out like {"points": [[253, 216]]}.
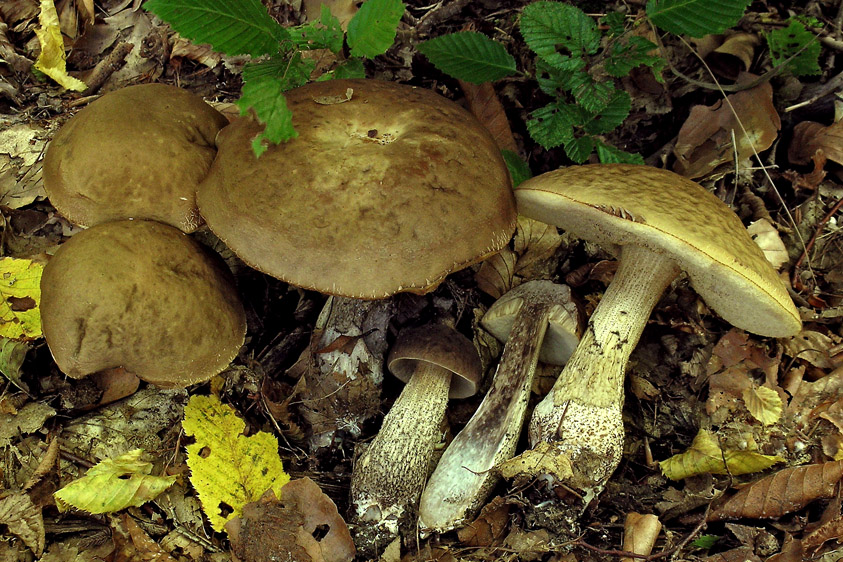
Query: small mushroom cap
{"points": [[563, 326], [388, 191], [143, 296], [442, 346], [138, 152], [618, 204]]}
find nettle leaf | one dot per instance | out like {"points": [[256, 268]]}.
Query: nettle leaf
{"points": [[797, 42], [553, 125], [611, 116], [469, 56], [548, 25], [579, 149], [696, 17], [624, 55], [609, 154], [235, 28], [372, 29], [325, 33]]}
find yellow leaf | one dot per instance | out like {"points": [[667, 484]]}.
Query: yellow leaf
{"points": [[763, 403], [114, 484], [20, 288], [51, 61], [705, 455], [226, 467]]}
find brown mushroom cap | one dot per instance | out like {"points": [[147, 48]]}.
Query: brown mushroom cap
{"points": [[138, 152], [388, 191], [143, 296], [618, 204], [442, 346]]}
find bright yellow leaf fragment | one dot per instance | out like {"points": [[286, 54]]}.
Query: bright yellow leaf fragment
{"points": [[227, 468], [705, 455], [114, 484], [20, 289], [51, 61], [763, 403]]}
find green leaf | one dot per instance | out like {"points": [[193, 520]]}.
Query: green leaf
{"points": [[623, 56], [705, 541], [241, 27], [609, 154], [548, 25], [696, 17], [553, 125], [469, 56], [797, 42], [579, 149], [519, 170], [612, 114], [372, 29], [594, 96], [553, 78], [352, 68], [325, 33], [615, 22]]}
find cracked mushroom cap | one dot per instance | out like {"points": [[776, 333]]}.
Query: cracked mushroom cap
{"points": [[618, 204], [138, 152], [143, 296], [387, 188]]}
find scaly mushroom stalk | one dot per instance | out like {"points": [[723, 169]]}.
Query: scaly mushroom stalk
{"points": [[464, 476], [582, 413]]}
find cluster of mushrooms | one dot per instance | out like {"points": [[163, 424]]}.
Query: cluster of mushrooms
{"points": [[386, 189]]}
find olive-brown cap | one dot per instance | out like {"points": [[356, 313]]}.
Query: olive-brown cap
{"points": [[618, 204], [387, 188], [442, 346], [143, 296], [138, 152]]}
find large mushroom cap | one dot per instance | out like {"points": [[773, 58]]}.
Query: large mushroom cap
{"points": [[388, 191], [138, 152], [618, 204], [143, 296]]}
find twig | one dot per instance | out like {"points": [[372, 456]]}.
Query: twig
{"points": [[106, 67]]}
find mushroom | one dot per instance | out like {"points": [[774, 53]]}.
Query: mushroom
{"points": [[143, 296], [437, 363], [657, 223], [538, 320], [138, 152], [387, 188]]}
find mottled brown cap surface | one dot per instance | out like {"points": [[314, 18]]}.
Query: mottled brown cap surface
{"points": [[143, 296], [388, 191], [138, 152], [618, 204]]}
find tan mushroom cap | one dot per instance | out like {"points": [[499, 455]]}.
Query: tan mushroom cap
{"points": [[618, 204], [388, 191], [442, 346], [138, 152], [143, 296]]}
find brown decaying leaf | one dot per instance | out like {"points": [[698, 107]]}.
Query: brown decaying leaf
{"points": [[483, 102], [740, 554], [640, 532], [734, 55], [809, 136], [132, 544], [23, 519], [830, 530], [785, 491], [812, 180], [45, 465], [489, 527], [705, 139]]}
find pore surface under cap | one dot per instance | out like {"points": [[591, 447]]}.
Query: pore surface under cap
{"points": [[618, 204], [388, 191]]}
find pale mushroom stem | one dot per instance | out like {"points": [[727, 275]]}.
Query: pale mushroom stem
{"points": [[390, 475], [464, 476], [581, 415]]}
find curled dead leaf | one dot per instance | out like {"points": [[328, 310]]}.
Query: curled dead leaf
{"points": [[809, 136]]}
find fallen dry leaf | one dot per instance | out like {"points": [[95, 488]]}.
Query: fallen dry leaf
{"points": [[734, 55], [132, 544], [489, 526], [813, 347], [640, 532], [23, 519], [809, 137], [785, 491], [768, 239], [483, 102]]}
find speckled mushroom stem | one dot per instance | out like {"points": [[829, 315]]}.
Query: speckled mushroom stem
{"points": [[464, 477], [390, 475], [582, 413]]}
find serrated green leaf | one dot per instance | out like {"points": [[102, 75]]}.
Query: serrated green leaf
{"points": [[351, 68], [469, 56], [612, 114], [234, 27], [797, 42], [579, 149], [614, 21], [609, 154], [553, 124], [553, 78], [324, 33], [546, 26], [519, 170], [624, 55], [696, 17], [594, 96], [372, 29]]}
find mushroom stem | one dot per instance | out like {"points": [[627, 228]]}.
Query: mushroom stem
{"points": [[464, 476], [390, 475], [582, 413]]}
